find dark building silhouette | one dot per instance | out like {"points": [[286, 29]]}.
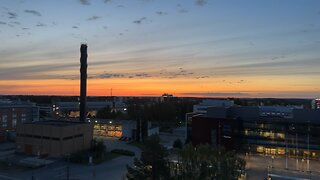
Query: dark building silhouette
{"points": [[83, 82]]}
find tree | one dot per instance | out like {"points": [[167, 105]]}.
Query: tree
{"points": [[206, 162], [105, 113], [177, 144], [153, 164]]}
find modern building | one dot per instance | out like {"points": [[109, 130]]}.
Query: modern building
{"points": [[274, 130], [120, 128], [53, 138], [13, 113], [202, 107], [71, 109], [315, 104]]}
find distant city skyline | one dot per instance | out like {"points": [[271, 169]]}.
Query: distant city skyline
{"points": [[200, 48]]}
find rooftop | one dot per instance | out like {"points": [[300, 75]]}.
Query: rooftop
{"points": [[57, 123]]}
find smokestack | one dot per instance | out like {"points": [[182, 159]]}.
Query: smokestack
{"points": [[83, 82]]}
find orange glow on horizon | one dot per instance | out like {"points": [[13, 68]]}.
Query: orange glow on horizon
{"points": [[153, 87]]}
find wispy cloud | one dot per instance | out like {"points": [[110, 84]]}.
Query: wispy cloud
{"points": [[216, 94], [139, 21], [161, 13], [75, 27], [33, 12], [12, 15], [39, 24], [84, 2], [3, 23], [181, 9], [201, 2], [93, 18]]}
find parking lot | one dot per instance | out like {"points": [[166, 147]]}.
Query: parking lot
{"points": [[259, 166]]}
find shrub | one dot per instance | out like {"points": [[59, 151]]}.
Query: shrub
{"points": [[123, 152], [177, 144]]}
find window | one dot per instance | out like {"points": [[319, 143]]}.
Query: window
{"points": [[4, 125], [4, 118], [14, 115], [23, 119], [14, 122], [23, 115]]}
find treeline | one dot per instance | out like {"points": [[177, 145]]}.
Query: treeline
{"points": [[200, 162], [151, 111]]}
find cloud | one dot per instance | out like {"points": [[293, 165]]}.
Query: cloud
{"points": [[120, 6], [107, 1], [201, 2], [1, 22], [93, 18], [139, 21], [107, 76], [142, 75], [24, 28], [39, 24], [161, 13], [75, 27], [84, 2], [181, 9], [36, 13], [216, 94], [16, 22], [12, 15]]}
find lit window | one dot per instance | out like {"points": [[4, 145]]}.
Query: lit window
{"points": [[23, 115], [23, 119]]}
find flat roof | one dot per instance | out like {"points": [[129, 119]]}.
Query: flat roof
{"points": [[57, 123]]}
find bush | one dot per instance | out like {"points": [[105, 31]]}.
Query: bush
{"points": [[177, 144], [123, 152], [78, 157], [97, 151]]}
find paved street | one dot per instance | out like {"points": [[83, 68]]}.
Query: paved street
{"points": [[257, 167], [113, 169]]}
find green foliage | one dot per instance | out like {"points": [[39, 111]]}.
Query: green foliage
{"points": [[97, 150], [153, 163], [206, 162], [105, 113], [177, 144], [159, 111], [123, 152]]}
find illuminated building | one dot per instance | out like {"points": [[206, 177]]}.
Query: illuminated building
{"points": [[273, 130], [315, 104]]}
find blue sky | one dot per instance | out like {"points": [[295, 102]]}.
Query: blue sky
{"points": [[201, 41]]}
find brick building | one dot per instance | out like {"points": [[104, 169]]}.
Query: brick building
{"points": [[13, 113], [53, 138]]}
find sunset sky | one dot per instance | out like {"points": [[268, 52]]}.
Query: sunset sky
{"points": [[211, 48]]}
